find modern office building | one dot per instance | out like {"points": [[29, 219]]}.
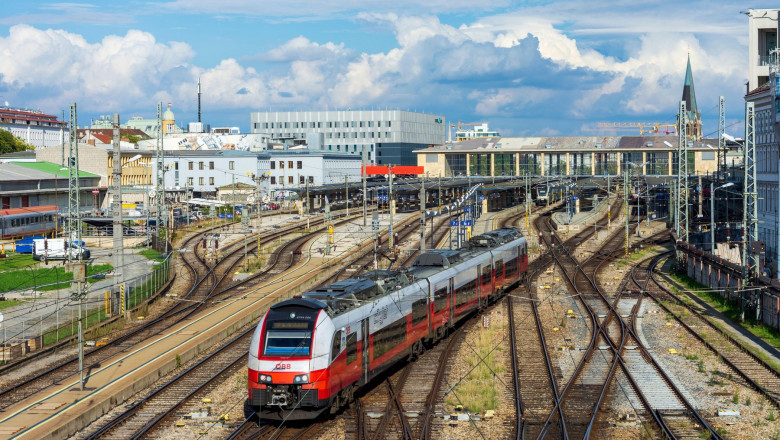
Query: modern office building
{"points": [[388, 136], [34, 127], [762, 39]]}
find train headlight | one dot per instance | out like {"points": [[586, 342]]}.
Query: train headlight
{"points": [[264, 378], [301, 378]]}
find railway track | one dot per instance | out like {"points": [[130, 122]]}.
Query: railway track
{"points": [[756, 372], [139, 420], [39, 381], [198, 295], [583, 394]]}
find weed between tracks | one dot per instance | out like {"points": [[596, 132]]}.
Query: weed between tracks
{"points": [[478, 391]]}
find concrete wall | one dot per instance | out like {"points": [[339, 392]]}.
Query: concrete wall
{"points": [[91, 159]]}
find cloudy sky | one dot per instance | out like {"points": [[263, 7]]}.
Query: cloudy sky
{"points": [[528, 68]]}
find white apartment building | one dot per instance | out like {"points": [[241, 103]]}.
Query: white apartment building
{"points": [[284, 170], [766, 170], [35, 127], [388, 136], [762, 38], [206, 170], [764, 91]]}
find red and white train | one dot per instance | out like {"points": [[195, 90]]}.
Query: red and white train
{"points": [[312, 352]]}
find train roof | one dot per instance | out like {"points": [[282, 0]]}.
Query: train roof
{"points": [[345, 295], [29, 210], [300, 302], [445, 258]]}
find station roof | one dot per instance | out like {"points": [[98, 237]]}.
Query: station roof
{"points": [[557, 144], [50, 168]]}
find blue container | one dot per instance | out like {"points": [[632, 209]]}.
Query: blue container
{"points": [[25, 245]]}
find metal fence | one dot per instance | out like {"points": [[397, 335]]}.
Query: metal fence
{"points": [[55, 320]]}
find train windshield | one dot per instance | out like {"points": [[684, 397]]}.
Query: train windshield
{"points": [[288, 343], [289, 331]]}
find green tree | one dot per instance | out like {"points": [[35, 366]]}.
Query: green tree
{"points": [[22, 145], [7, 143], [10, 143]]}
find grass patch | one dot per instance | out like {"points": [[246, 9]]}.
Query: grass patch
{"points": [[16, 261], [730, 309], [478, 391], [9, 303], [45, 278], [151, 254]]}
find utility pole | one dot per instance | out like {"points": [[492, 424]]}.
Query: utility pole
{"points": [[62, 140], [750, 196], [346, 192], [722, 149], [160, 186], [625, 204], [712, 218], [73, 235], [391, 205], [363, 177], [681, 201], [609, 200], [527, 196], [116, 212], [422, 214]]}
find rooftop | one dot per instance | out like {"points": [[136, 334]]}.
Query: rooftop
{"points": [[51, 168], [566, 143]]}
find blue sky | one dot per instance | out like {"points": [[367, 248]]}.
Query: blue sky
{"points": [[528, 68]]}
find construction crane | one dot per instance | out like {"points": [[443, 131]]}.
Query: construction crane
{"points": [[459, 125], [644, 127]]}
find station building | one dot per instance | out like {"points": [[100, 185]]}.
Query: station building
{"points": [[282, 172], [27, 184], [579, 156], [388, 136]]}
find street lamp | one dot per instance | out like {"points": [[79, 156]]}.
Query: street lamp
{"points": [[712, 212]]}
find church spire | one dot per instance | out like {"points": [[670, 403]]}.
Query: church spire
{"points": [[689, 96]]}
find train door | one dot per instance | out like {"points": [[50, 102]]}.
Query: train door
{"points": [[452, 299], [478, 286], [364, 348]]}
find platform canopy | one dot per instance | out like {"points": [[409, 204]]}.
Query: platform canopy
{"points": [[205, 202]]}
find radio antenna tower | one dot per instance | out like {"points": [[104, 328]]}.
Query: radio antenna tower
{"points": [[198, 99]]}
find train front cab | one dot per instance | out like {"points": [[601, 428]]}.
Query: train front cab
{"points": [[288, 362]]}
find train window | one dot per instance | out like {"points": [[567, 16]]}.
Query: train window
{"points": [[335, 347], [465, 293], [511, 267], [352, 350], [485, 274], [499, 268], [419, 311], [389, 337], [440, 300]]}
